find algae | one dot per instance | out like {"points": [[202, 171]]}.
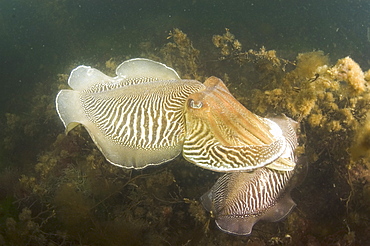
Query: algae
{"points": [[68, 194]]}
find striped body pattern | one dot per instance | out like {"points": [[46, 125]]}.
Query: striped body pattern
{"points": [[208, 153], [240, 199], [146, 119], [223, 136], [137, 118], [147, 115], [257, 191]]}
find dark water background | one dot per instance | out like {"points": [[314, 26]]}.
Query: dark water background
{"points": [[41, 39]]}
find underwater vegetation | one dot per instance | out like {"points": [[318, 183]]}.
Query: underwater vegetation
{"points": [[68, 194]]}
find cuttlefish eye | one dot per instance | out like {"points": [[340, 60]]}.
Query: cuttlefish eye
{"points": [[194, 104]]}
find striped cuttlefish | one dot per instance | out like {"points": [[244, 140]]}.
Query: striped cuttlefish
{"points": [[148, 115]]}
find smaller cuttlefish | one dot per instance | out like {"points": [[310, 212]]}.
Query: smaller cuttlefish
{"points": [[239, 200]]}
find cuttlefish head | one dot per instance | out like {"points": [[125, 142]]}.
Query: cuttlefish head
{"points": [[230, 122], [222, 135]]}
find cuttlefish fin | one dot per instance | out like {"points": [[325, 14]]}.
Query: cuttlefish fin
{"points": [[279, 210], [145, 68], [244, 225], [70, 109], [85, 77], [134, 71], [207, 201], [71, 112], [235, 225]]}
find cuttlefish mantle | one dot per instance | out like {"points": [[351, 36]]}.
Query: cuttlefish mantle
{"points": [[136, 118]]}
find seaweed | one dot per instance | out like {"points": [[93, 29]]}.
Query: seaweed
{"points": [[181, 55], [66, 193], [332, 104]]}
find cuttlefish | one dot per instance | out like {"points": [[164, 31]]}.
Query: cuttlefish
{"points": [[240, 199], [148, 115]]}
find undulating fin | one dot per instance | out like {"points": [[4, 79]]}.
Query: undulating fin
{"points": [[69, 108], [237, 226], [223, 136], [207, 200], [145, 68], [86, 77], [130, 72], [281, 209], [135, 119]]}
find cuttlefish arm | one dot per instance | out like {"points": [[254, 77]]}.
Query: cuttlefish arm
{"points": [[222, 135]]}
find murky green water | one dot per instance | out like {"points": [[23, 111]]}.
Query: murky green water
{"points": [[59, 190]]}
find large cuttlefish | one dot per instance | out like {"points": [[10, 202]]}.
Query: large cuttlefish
{"points": [[148, 115]]}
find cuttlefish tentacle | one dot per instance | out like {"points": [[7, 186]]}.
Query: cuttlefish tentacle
{"points": [[222, 135]]}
